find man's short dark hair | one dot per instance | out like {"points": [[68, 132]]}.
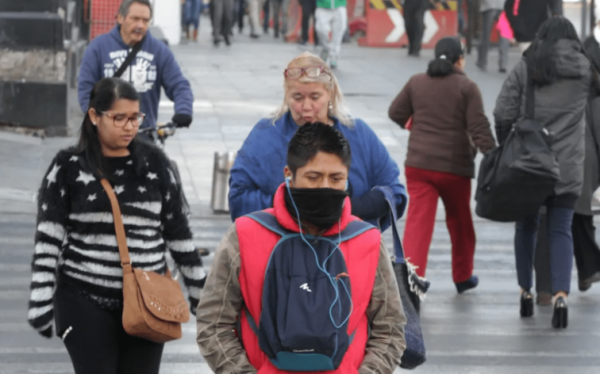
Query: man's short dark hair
{"points": [[126, 4], [313, 138]]}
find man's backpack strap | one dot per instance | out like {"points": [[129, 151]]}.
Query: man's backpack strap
{"points": [[134, 51], [354, 229], [251, 320], [268, 221]]}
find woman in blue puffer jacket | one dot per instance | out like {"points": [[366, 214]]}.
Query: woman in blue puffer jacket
{"points": [[312, 94]]}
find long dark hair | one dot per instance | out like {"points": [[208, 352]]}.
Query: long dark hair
{"points": [[541, 55], [447, 52], [104, 95]]}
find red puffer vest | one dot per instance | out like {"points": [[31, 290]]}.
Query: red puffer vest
{"points": [[256, 244]]}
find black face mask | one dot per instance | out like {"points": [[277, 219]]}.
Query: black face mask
{"points": [[320, 206]]}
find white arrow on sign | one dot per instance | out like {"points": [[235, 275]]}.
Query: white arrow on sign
{"points": [[398, 22], [431, 27]]}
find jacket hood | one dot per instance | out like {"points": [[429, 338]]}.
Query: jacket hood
{"points": [[570, 60]]}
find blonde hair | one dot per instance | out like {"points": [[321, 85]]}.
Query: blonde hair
{"points": [[327, 79]]}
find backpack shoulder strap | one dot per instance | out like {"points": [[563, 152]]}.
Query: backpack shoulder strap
{"points": [[354, 229], [268, 221]]}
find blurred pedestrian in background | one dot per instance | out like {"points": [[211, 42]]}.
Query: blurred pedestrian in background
{"points": [[526, 17], [280, 17], [506, 38], [266, 16], [309, 8], [192, 11], [312, 94], [239, 12], [331, 17], [587, 252], [222, 13], [562, 77], [414, 23], [490, 13], [254, 9], [448, 127]]}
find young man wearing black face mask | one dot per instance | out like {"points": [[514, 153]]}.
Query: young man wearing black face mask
{"points": [[276, 273]]}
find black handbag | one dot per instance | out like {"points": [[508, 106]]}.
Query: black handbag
{"points": [[516, 178], [412, 290]]}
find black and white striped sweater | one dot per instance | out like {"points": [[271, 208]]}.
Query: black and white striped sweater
{"points": [[76, 240]]}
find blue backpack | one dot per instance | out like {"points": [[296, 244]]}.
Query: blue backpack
{"points": [[306, 300]]}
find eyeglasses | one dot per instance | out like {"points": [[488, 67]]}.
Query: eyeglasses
{"points": [[121, 120], [309, 71]]}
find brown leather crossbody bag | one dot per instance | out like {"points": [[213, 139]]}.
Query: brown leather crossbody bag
{"points": [[153, 304]]}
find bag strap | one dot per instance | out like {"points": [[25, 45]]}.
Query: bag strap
{"points": [[391, 200], [269, 221], [119, 228], [134, 51]]}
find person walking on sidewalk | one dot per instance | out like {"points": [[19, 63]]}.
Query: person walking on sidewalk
{"points": [[586, 249], [331, 17], [414, 22], [490, 12], [448, 127], [222, 13], [265, 270], [153, 68], [312, 94], [193, 9], [562, 78], [254, 9], [587, 252], [309, 7], [77, 282]]}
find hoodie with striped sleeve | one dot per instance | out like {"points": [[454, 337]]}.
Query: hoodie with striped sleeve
{"points": [[75, 242]]}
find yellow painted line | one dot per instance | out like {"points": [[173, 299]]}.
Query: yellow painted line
{"points": [[396, 4], [377, 4]]}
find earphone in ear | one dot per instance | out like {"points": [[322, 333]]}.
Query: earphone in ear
{"points": [[287, 181], [346, 184]]}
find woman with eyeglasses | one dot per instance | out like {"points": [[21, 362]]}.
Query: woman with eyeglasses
{"points": [[448, 126], [81, 295], [312, 94]]}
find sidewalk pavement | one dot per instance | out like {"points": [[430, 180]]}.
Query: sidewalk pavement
{"points": [[234, 87]]}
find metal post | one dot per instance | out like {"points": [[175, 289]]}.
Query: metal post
{"points": [[583, 19]]}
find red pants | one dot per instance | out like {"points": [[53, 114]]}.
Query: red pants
{"points": [[424, 189]]}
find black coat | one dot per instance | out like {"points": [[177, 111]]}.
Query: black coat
{"points": [[531, 15], [559, 107]]}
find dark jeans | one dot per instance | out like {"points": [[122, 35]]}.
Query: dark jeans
{"points": [[239, 12], [308, 10], [560, 242], [97, 342], [414, 22]]}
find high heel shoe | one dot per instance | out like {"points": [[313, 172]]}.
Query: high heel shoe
{"points": [[526, 304], [560, 318]]}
